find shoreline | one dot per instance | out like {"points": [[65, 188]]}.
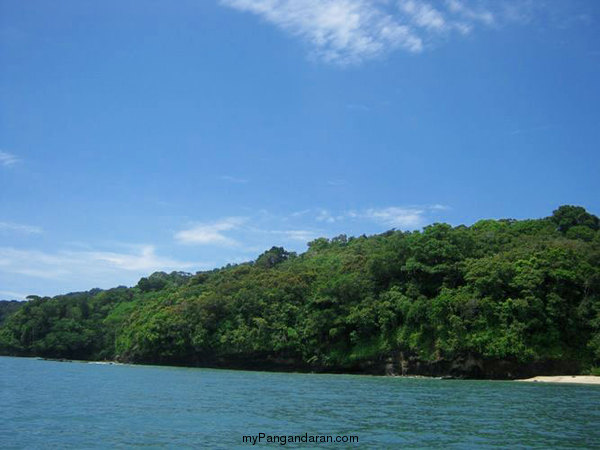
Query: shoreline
{"points": [[567, 379], [564, 379]]}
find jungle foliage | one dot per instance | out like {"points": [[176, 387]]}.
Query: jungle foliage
{"points": [[524, 290]]}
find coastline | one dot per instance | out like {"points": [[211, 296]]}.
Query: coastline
{"points": [[565, 379], [571, 379], [561, 379]]}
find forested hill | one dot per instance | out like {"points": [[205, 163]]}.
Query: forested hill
{"points": [[498, 299], [8, 307]]}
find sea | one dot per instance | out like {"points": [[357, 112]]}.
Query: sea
{"points": [[77, 405]]}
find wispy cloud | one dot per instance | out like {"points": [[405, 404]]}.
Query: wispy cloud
{"points": [[300, 213], [303, 236], [19, 228], [8, 159], [473, 14], [423, 14], [252, 233], [11, 295], [263, 229], [396, 217], [326, 216], [342, 31], [144, 260], [211, 233], [351, 31], [404, 217], [409, 217], [92, 266], [235, 180]]}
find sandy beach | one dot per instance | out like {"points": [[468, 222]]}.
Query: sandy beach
{"points": [[576, 379]]}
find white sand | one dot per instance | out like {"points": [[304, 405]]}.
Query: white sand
{"points": [[578, 379]]}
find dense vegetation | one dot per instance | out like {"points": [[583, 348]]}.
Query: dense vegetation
{"points": [[8, 307], [486, 300]]}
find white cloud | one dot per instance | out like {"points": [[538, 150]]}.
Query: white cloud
{"points": [[263, 229], [341, 31], [8, 159], [405, 217], [19, 228], [251, 234], [300, 213], [303, 236], [410, 217], [11, 295], [423, 14], [351, 31], [461, 8], [325, 216], [93, 266], [211, 233], [145, 260], [396, 217], [234, 180]]}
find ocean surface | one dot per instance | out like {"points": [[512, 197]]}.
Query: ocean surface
{"points": [[48, 404]]}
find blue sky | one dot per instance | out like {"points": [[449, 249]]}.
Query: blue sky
{"points": [[182, 135]]}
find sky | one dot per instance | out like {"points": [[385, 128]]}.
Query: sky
{"points": [[170, 135]]}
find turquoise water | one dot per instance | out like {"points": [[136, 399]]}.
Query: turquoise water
{"points": [[46, 404]]}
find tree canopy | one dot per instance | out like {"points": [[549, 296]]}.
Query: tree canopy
{"points": [[519, 291]]}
